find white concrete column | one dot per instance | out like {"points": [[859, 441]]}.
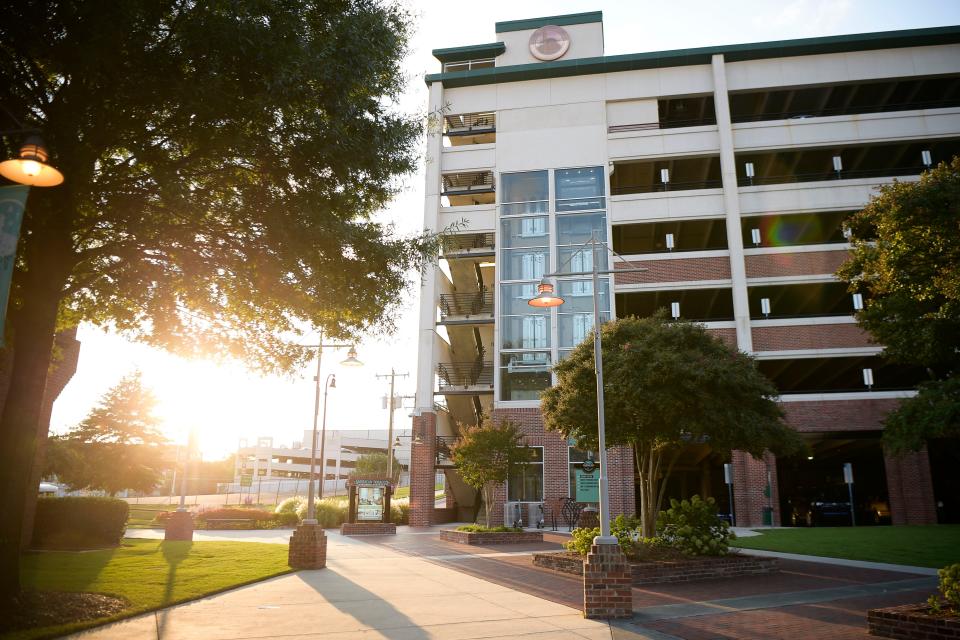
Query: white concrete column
{"points": [[426, 358], [731, 205]]}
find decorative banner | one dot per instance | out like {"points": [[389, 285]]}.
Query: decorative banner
{"points": [[13, 200], [370, 503], [588, 485]]}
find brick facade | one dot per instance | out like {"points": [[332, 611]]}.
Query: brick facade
{"points": [[770, 265], [675, 270], [813, 336], [423, 453], [910, 488], [728, 336], [838, 415]]}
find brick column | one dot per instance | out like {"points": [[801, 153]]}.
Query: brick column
{"points": [[423, 457], [179, 526], [308, 547], [910, 487], [749, 488], [607, 583], [620, 481]]}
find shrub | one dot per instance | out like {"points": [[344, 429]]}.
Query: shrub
{"points": [[479, 528], [692, 526], [949, 591], [79, 522], [330, 513], [288, 518], [581, 539], [290, 505], [400, 513]]}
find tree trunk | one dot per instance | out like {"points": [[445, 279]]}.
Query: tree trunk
{"points": [[34, 325], [648, 466], [48, 253], [487, 500]]}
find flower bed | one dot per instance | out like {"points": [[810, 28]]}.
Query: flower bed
{"points": [[678, 570], [912, 621], [490, 537]]}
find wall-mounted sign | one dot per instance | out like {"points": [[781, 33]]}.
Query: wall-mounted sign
{"points": [[589, 465], [587, 485]]}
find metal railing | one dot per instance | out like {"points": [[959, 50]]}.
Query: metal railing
{"points": [[463, 375], [468, 181], [467, 241], [445, 446], [831, 175], [670, 186], [467, 123], [466, 304], [803, 114]]}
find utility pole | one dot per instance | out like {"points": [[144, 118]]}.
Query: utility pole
{"points": [[393, 376]]}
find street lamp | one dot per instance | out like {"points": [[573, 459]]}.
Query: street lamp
{"points": [[545, 299], [30, 166], [330, 383]]}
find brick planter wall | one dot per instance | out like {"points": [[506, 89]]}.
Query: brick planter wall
{"points": [[703, 569], [506, 537], [368, 529], [911, 622], [663, 572]]}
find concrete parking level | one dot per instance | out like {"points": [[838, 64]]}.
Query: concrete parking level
{"points": [[416, 586]]}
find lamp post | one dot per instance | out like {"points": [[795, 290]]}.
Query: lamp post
{"points": [[546, 298], [351, 361]]}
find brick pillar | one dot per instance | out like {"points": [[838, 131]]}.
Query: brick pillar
{"points": [[179, 526], [749, 488], [423, 458], [607, 583], [308, 547], [910, 487], [620, 482]]}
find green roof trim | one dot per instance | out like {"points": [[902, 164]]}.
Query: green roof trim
{"points": [[536, 23], [701, 55], [470, 52]]}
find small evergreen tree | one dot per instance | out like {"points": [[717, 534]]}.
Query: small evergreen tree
{"points": [[487, 454], [117, 446]]}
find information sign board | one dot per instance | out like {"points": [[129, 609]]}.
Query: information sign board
{"points": [[587, 485]]}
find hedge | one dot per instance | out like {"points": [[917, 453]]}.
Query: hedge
{"points": [[79, 522]]}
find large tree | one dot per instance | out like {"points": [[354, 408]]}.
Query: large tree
{"points": [[117, 446], [667, 384], [906, 262], [223, 163]]}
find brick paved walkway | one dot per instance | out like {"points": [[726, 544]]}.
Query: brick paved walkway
{"points": [[803, 600]]}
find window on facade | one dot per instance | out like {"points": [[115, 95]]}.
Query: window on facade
{"points": [[522, 193], [525, 484], [584, 487], [523, 375], [579, 189], [468, 65], [575, 316]]}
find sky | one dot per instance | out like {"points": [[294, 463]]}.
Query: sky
{"points": [[227, 402]]}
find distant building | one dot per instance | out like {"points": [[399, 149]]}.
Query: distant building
{"points": [[342, 450]]}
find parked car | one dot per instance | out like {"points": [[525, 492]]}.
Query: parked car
{"points": [[48, 489], [819, 512]]}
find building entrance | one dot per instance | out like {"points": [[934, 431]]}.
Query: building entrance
{"points": [[812, 488]]}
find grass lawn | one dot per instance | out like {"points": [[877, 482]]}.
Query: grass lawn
{"points": [[920, 546], [149, 573]]}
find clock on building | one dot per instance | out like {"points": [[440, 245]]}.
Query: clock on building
{"points": [[549, 42]]}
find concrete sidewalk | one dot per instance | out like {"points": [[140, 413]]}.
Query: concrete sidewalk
{"points": [[366, 591]]}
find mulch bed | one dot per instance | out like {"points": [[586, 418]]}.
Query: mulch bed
{"points": [[33, 609]]}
